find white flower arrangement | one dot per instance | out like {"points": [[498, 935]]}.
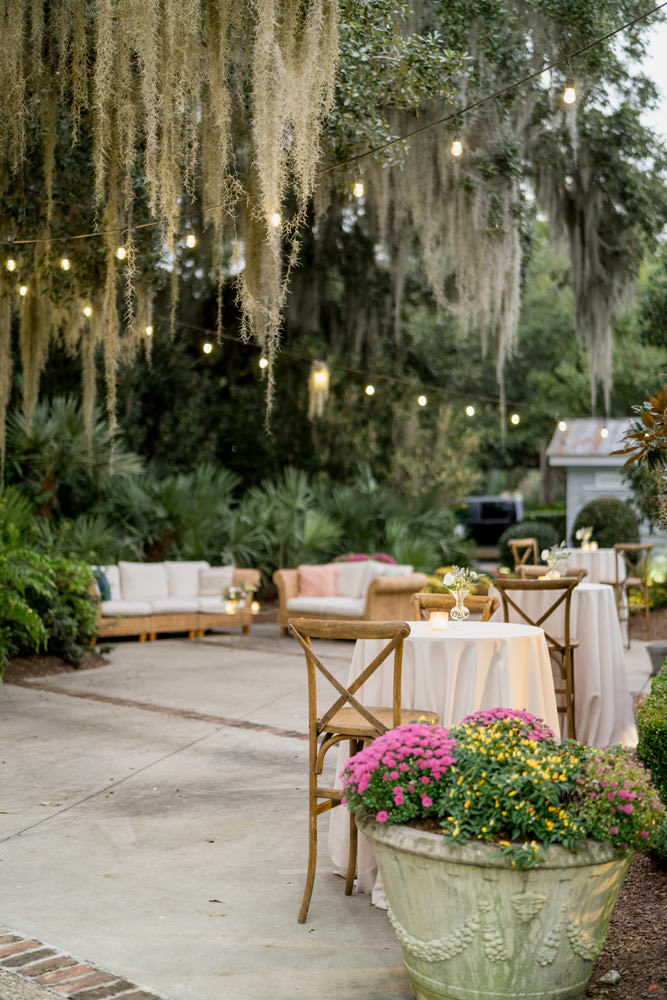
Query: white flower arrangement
{"points": [[460, 578], [556, 556], [584, 535]]}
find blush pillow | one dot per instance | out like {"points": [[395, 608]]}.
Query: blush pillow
{"points": [[317, 581]]}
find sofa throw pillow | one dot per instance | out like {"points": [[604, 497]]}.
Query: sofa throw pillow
{"points": [[354, 578], [139, 581], [317, 581], [103, 588], [183, 577], [214, 581]]}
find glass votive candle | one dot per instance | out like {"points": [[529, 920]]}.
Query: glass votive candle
{"points": [[439, 621], [593, 546], [254, 607]]}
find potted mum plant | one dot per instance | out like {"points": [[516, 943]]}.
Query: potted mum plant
{"points": [[501, 850]]}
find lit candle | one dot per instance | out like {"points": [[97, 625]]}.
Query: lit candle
{"points": [[254, 607], [230, 607], [439, 621]]}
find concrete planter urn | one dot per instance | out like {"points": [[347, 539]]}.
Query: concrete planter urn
{"points": [[472, 927]]}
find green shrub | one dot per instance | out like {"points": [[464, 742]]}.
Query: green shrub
{"points": [[611, 519], [555, 516], [652, 725], [545, 534], [652, 746]]}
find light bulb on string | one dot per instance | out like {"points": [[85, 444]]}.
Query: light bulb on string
{"points": [[457, 146], [370, 390], [562, 425], [87, 311], [191, 240], [207, 347], [23, 290], [263, 363], [422, 400], [149, 331], [604, 432], [515, 419], [569, 94], [358, 189], [470, 410], [65, 263], [11, 264], [276, 219], [121, 253]]}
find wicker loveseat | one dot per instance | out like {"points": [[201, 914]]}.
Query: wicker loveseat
{"points": [[142, 599], [362, 591]]}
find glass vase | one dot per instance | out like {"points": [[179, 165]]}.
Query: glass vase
{"points": [[459, 612]]}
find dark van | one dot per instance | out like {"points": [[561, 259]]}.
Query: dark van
{"points": [[489, 516]]}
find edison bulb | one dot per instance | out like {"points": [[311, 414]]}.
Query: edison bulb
{"points": [[562, 425], [422, 400], [149, 331], [515, 418], [121, 253], [370, 390], [457, 146], [207, 347], [23, 290], [276, 219], [191, 240], [470, 410], [87, 311], [263, 362], [358, 189], [65, 264], [569, 94], [11, 264]]}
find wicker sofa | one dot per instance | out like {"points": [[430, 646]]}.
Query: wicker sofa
{"points": [[362, 591], [144, 599]]}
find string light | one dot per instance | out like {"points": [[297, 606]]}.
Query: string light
{"points": [[149, 331], [422, 400], [370, 390], [562, 425], [11, 264], [121, 253], [191, 240], [470, 410], [604, 432], [569, 94], [23, 290], [276, 219], [457, 146], [263, 362], [87, 311], [358, 189], [515, 419], [207, 347], [65, 264]]}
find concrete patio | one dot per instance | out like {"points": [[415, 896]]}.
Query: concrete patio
{"points": [[154, 826]]}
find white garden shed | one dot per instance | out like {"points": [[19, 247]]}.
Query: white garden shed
{"points": [[583, 449]]}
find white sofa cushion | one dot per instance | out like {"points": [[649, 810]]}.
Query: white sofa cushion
{"points": [[215, 580], [112, 574], [141, 581], [173, 605], [345, 606], [183, 577], [353, 578], [128, 609], [391, 569]]}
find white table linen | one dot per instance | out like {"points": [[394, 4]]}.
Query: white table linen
{"points": [[603, 704], [472, 665], [600, 563]]}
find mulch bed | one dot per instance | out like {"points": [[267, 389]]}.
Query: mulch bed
{"points": [[636, 946]]}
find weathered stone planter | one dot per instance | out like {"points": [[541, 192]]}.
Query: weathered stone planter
{"points": [[474, 928]]}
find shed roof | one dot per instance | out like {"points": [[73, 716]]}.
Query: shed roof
{"points": [[582, 442]]}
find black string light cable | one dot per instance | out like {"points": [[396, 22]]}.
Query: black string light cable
{"points": [[458, 113], [293, 355]]}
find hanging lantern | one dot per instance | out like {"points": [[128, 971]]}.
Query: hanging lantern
{"points": [[318, 388]]}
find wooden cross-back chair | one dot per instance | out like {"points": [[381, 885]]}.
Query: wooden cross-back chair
{"points": [[480, 605], [539, 572], [346, 719], [631, 574], [561, 647], [522, 549]]}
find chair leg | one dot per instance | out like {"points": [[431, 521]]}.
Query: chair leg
{"points": [[355, 746], [312, 861]]}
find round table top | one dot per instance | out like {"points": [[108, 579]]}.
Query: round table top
{"points": [[472, 630]]}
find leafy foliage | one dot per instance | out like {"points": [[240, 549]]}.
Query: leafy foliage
{"points": [[612, 521]]}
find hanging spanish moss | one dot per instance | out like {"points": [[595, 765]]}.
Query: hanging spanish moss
{"points": [[164, 88]]}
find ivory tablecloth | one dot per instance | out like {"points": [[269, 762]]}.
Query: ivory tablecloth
{"points": [[600, 563], [603, 704]]}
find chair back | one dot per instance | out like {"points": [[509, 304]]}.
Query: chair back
{"points": [[305, 629], [633, 562], [559, 593], [522, 550], [540, 572], [480, 605]]}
